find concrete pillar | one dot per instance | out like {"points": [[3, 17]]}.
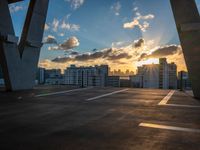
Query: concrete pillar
{"points": [[19, 62], [188, 25]]}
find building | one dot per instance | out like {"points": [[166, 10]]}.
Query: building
{"points": [[113, 81], [1, 78], [135, 81], [53, 77], [40, 76], [49, 77], [79, 76], [86, 76], [1, 73], [149, 76], [71, 75], [121, 73], [184, 81], [172, 69], [125, 83], [162, 75]]}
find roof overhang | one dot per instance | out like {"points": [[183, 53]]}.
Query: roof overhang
{"points": [[13, 1]]}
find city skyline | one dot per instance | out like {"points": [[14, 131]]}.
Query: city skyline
{"points": [[159, 76], [146, 76], [116, 33]]}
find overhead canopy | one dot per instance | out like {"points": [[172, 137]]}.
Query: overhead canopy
{"points": [[14, 1]]}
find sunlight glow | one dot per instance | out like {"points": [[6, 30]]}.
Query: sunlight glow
{"points": [[148, 62]]}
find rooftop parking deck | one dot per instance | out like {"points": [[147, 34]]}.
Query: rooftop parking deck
{"points": [[60, 118]]}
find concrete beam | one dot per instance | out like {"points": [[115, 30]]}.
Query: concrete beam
{"points": [[188, 25], [13, 1], [19, 62]]}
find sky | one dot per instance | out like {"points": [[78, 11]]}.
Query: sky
{"points": [[124, 34]]}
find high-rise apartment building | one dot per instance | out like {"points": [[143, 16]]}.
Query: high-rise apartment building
{"points": [[113, 81], [1, 77], [40, 76], [72, 74], [149, 76], [53, 77], [86, 76], [49, 76], [184, 80], [162, 75], [1, 73], [172, 69]]}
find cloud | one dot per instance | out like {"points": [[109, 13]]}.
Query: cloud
{"points": [[145, 17], [124, 56], [59, 26], [135, 9], [120, 44], [116, 8], [74, 53], [50, 40], [139, 21], [131, 25], [107, 54], [70, 43], [92, 56], [119, 56], [162, 52], [46, 27], [70, 27], [15, 8], [55, 25], [135, 44], [61, 34], [48, 64], [94, 50], [139, 43], [62, 59], [119, 62], [173, 53], [143, 56], [75, 4]]}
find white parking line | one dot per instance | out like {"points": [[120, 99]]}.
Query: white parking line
{"points": [[167, 98], [165, 127], [177, 105], [108, 94], [61, 92]]}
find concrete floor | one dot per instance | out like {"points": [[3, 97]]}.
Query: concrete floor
{"points": [[79, 120]]}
